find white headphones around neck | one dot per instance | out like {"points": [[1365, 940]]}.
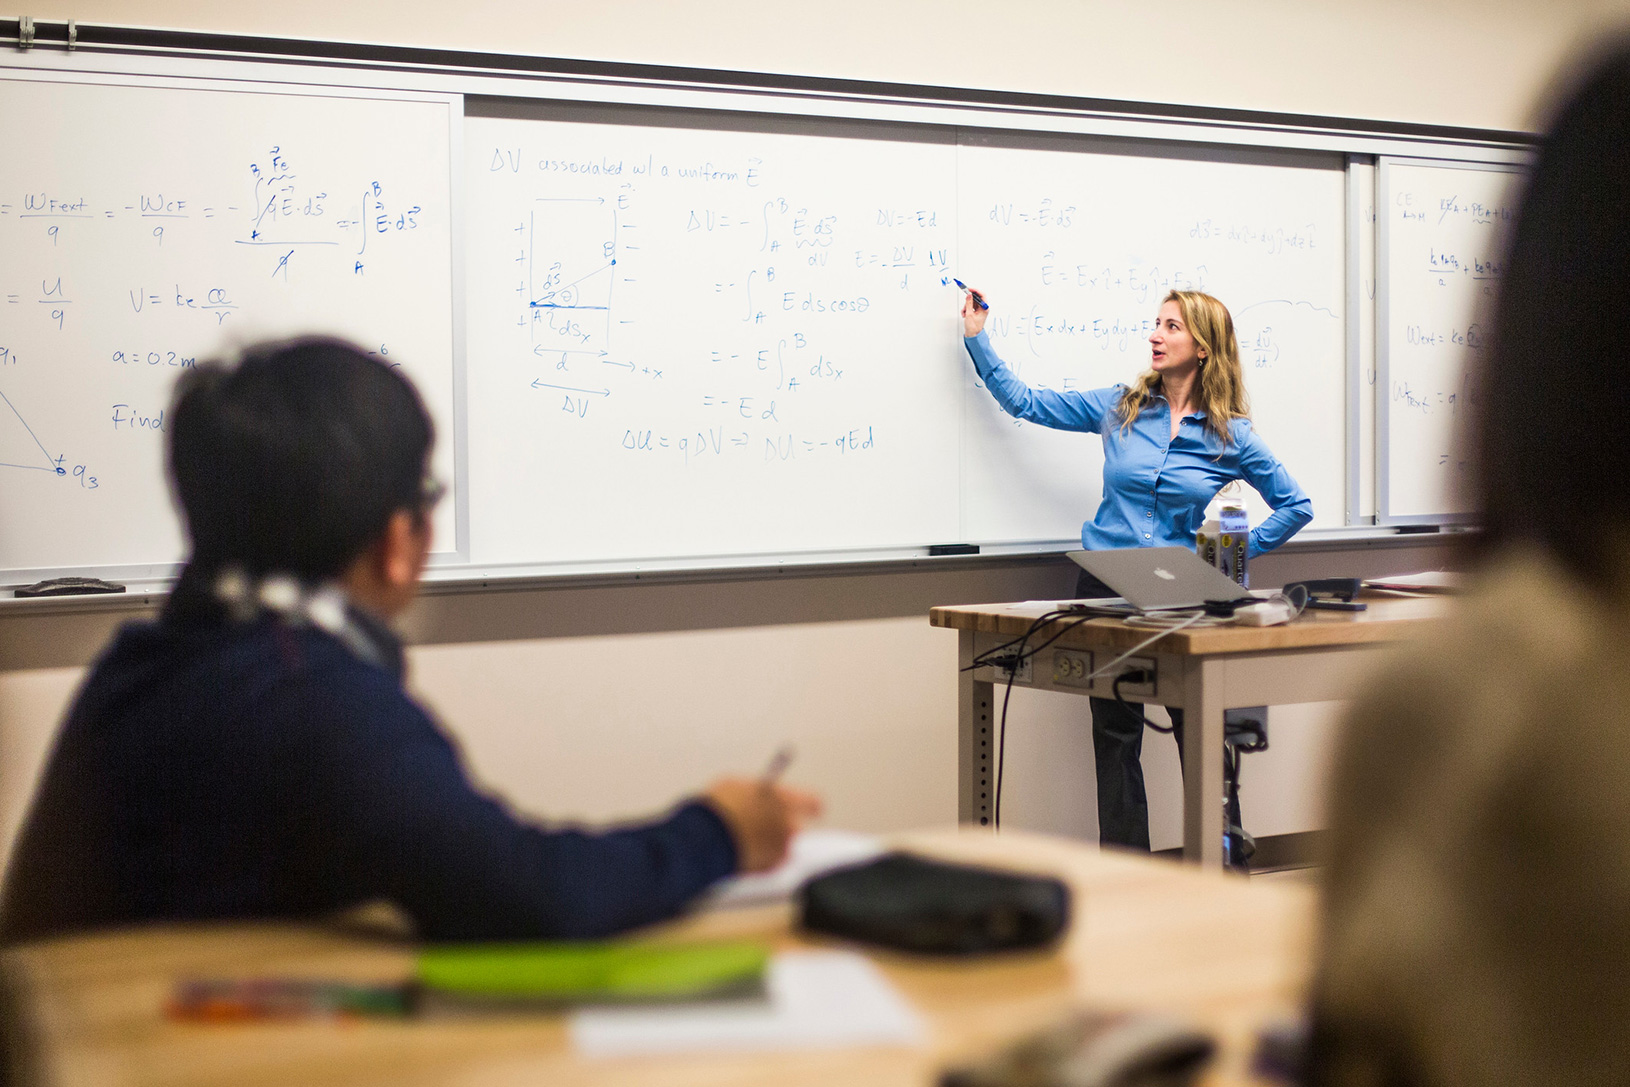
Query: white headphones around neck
{"points": [[323, 606]]}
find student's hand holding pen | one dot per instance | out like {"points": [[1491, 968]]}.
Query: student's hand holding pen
{"points": [[762, 814]]}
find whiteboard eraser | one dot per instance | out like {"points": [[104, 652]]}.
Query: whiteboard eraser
{"points": [[68, 586]]}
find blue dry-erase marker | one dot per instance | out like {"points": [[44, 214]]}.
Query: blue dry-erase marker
{"points": [[977, 297]]}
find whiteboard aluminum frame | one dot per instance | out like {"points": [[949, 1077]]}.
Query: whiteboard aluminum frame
{"points": [[1355, 364], [460, 437], [895, 108]]}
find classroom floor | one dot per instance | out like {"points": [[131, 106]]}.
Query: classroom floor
{"points": [[1279, 856]]}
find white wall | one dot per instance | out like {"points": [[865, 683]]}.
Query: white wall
{"points": [[1454, 62], [608, 702], [605, 703]]}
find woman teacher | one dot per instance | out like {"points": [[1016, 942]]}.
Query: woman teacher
{"points": [[1172, 439]]}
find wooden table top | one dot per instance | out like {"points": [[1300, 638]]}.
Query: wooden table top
{"points": [[1388, 618], [1147, 934]]}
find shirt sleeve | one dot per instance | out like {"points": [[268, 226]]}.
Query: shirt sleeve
{"points": [[1060, 410], [1291, 507], [467, 868]]}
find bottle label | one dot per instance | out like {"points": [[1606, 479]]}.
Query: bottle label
{"points": [[1233, 544]]}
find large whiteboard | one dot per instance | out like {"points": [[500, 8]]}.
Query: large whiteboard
{"points": [[1078, 242], [1444, 228], [690, 342], [149, 226], [706, 340], [659, 337]]}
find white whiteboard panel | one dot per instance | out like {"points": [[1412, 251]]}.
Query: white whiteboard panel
{"points": [[148, 226], [1442, 239], [1078, 243], [707, 342], [679, 333]]}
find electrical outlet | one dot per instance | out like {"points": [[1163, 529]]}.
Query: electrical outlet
{"points": [[1071, 667], [1022, 673], [1134, 664]]}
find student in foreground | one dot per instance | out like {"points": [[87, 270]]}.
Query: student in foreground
{"points": [[1477, 904], [253, 752]]}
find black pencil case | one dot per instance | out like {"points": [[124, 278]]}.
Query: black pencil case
{"points": [[913, 903]]}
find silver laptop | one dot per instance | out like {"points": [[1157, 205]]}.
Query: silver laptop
{"points": [[1160, 578]]}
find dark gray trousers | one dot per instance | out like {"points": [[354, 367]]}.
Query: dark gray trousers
{"points": [[1117, 749]]}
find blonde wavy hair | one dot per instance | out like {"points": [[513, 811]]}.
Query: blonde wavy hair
{"points": [[1222, 383]]}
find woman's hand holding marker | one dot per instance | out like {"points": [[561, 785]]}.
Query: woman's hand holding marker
{"points": [[974, 309]]}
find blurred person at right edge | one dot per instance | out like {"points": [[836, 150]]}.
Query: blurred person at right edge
{"points": [[1476, 920]]}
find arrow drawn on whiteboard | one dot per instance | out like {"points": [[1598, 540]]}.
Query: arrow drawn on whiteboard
{"points": [[536, 384], [614, 362], [544, 303]]}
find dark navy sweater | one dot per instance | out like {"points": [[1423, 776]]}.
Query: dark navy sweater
{"points": [[211, 769]]}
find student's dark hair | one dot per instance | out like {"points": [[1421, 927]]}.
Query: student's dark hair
{"points": [[294, 459], [1554, 462]]}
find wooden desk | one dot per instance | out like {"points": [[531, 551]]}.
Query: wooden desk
{"points": [[1146, 934], [1320, 656]]}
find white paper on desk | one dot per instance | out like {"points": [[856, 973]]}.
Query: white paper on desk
{"points": [[1428, 581], [817, 1000], [812, 853]]}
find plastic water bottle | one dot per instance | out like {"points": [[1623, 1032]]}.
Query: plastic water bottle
{"points": [[1223, 538], [1233, 541]]}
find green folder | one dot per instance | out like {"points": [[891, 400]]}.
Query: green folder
{"points": [[592, 972]]}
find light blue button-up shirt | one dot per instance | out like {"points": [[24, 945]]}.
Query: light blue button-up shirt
{"points": [[1156, 487]]}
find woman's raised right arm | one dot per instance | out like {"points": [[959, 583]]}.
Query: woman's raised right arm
{"points": [[1059, 410]]}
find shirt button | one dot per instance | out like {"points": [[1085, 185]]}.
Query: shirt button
{"points": [[1146, 536], [1146, 513]]}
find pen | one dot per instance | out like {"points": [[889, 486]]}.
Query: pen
{"points": [[220, 1000], [977, 297], [778, 766]]}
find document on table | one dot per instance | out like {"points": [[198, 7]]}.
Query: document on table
{"points": [[1428, 581], [812, 853], [1028, 606], [816, 1000]]}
